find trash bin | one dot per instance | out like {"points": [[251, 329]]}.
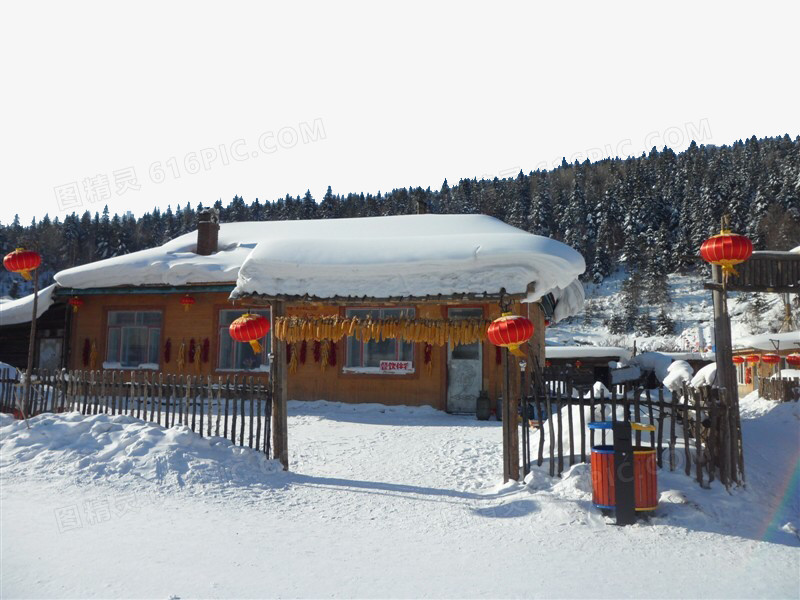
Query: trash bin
{"points": [[644, 473]]}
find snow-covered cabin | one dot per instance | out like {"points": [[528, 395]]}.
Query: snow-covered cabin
{"points": [[782, 344], [587, 364], [439, 267]]}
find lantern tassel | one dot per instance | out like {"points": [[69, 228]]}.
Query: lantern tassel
{"points": [[514, 349], [74, 308], [727, 269], [26, 274], [255, 346]]}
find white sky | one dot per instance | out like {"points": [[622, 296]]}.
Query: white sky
{"points": [[385, 95]]}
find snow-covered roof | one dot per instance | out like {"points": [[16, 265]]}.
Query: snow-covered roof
{"points": [[764, 341], [174, 263], [586, 352], [569, 301], [378, 257], [14, 312], [406, 256], [691, 355]]}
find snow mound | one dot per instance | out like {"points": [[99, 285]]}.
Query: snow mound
{"points": [[705, 376], [753, 406], [679, 372], [656, 362], [111, 448]]}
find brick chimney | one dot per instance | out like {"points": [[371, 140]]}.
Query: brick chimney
{"points": [[207, 231]]}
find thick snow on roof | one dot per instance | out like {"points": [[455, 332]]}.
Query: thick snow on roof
{"points": [[174, 263], [586, 352], [402, 256], [20, 310], [569, 301], [763, 341]]}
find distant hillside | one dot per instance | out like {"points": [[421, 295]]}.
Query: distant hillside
{"points": [[649, 213], [684, 323]]}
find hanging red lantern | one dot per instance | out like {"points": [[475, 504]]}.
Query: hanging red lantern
{"points": [[793, 359], [75, 303], [726, 249], [578, 364], [770, 359], [737, 360], [22, 261], [249, 328], [510, 331], [187, 302], [547, 363], [752, 358]]}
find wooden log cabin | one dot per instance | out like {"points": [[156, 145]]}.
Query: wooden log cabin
{"points": [[748, 374], [168, 309]]}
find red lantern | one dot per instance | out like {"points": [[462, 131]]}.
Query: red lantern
{"points": [[578, 364], [726, 249], [771, 359], [793, 359], [737, 360], [75, 303], [249, 328], [187, 302], [547, 363], [510, 331], [547, 322], [752, 358], [22, 261]]}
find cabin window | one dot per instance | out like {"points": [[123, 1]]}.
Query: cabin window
{"points": [[134, 339], [385, 356], [239, 356]]}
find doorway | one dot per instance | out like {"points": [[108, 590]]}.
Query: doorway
{"points": [[464, 367]]}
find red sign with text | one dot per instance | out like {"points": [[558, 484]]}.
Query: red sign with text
{"points": [[396, 366]]}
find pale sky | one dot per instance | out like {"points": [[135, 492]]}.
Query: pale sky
{"points": [[147, 104]]}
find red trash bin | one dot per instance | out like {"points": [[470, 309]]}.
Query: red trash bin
{"points": [[644, 474]]}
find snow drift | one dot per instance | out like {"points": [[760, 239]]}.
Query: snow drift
{"points": [[104, 447]]}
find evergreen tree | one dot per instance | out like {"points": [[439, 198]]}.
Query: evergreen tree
{"points": [[664, 324]]}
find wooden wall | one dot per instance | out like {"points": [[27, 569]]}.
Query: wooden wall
{"points": [[310, 381], [178, 325]]}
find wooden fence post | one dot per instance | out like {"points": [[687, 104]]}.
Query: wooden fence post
{"points": [[279, 381]]}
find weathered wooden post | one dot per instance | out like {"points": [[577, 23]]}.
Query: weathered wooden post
{"points": [[31, 344], [280, 423], [23, 262], [724, 251], [509, 332], [726, 375]]}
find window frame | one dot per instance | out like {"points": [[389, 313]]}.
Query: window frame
{"points": [[112, 365], [264, 367], [376, 371]]}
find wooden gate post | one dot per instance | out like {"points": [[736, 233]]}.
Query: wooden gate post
{"points": [[26, 393], [723, 354], [510, 433], [280, 424]]}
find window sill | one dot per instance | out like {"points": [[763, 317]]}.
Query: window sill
{"points": [[374, 371], [141, 367], [261, 369]]}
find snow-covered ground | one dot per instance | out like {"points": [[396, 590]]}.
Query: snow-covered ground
{"points": [[381, 502]]}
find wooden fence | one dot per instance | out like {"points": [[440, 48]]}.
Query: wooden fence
{"points": [[779, 390], [696, 430], [238, 408]]}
